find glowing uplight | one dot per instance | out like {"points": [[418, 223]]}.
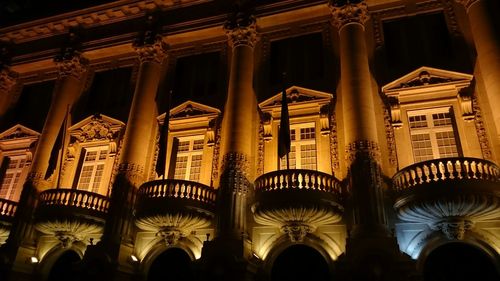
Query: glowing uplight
{"points": [[134, 258], [34, 260]]}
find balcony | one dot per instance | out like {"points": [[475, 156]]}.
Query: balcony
{"points": [[71, 215], [297, 201], [174, 208], [448, 194], [7, 212]]}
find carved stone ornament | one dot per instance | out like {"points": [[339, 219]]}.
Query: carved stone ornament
{"points": [[154, 52], [170, 235], [70, 231], [97, 129], [74, 65], [133, 172], [467, 3], [454, 228], [348, 11], [466, 105], [235, 170], [365, 147], [7, 79], [297, 231], [241, 30]]}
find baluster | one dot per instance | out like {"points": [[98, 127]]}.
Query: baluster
{"points": [[418, 175], [425, 173], [447, 174], [481, 172], [474, 170], [440, 170], [432, 172]]}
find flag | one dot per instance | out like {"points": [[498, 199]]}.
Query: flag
{"points": [[162, 151], [58, 145], [284, 132]]}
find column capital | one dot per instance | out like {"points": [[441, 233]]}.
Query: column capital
{"points": [[467, 3], [348, 11], [151, 49], [71, 63], [8, 79], [241, 30], [362, 147]]}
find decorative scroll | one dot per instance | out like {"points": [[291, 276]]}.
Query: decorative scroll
{"points": [[241, 30], [344, 12]]}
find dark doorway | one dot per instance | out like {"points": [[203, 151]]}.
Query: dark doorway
{"points": [[65, 267], [459, 262], [300, 262], [173, 264]]}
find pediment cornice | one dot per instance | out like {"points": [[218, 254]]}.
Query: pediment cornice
{"points": [[297, 96], [96, 127]]}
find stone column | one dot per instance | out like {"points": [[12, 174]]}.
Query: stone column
{"points": [[71, 69], [487, 44], [358, 109], [237, 127], [8, 79], [136, 145]]}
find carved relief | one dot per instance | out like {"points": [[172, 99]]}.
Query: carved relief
{"points": [[391, 140], [324, 120], [235, 170], [215, 162], [481, 130], [154, 51], [241, 30], [334, 143], [297, 231], [454, 228], [96, 129], [71, 63], [8, 79], [345, 12], [260, 152], [363, 147], [465, 100]]}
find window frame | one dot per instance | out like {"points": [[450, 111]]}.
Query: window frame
{"points": [[190, 153], [297, 143]]}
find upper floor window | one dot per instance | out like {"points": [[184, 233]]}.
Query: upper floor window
{"points": [[303, 147], [92, 168], [432, 133], [188, 158], [15, 166]]}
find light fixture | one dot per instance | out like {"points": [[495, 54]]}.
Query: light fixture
{"points": [[134, 258], [33, 260]]}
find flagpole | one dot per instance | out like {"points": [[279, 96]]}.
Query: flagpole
{"points": [[61, 156]]}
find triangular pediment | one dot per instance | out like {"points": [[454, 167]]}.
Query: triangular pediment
{"points": [[297, 95], [96, 127], [17, 132], [427, 77], [191, 109]]}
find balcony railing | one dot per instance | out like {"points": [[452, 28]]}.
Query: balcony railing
{"points": [[74, 200], [153, 195], [298, 180], [7, 209], [178, 189], [446, 170]]}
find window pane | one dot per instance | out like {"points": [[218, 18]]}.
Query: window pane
{"points": [[11, 177], [92, 169], [198, 144], [307, 133], [194, 172], [441, 119], [183, 146], [422, 147], [446, 144], [308, 156], [180, 167], [419, 121]]}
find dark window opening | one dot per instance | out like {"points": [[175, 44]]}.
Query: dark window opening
{"points": [[459, 262], [32, 107], [301, 58], [300, 262], [421, 40], [111, 94], [173, 264], [65, 267], [199, 78]]}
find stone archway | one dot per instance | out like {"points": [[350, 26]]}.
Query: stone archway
{"points": [[300, 262], [65, 267], [459, 262], [172, 264]]}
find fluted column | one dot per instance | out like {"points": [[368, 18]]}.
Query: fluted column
{"points": [[8, 79], [358, 109], [237, 127], [71, 70], [487, 44], [137, 141]]}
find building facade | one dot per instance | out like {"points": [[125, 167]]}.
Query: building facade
{"points": [[139, 140]]}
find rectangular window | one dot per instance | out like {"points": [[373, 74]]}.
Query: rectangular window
{"points": [[10, 181], [303, 147], [432, 134], [92, 168], [189, 158]]}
